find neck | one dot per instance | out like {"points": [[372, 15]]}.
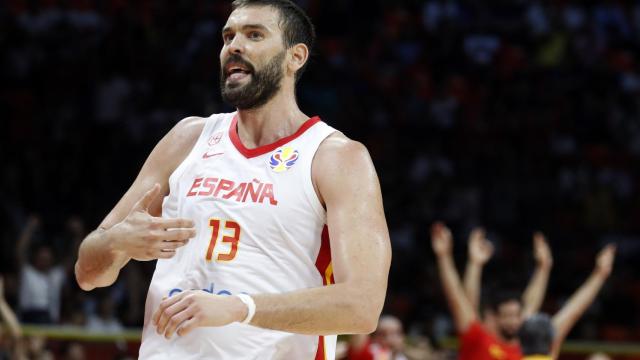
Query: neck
{"points": [[278, 118]]}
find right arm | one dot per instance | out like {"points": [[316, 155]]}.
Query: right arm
{"points": [[133, 229], [24, 241], [480, 251], [564, 320], [462, 310]]}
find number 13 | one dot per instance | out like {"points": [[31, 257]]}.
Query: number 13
{"points": [[233, 240]]}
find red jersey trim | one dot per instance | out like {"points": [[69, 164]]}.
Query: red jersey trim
{"points": [[320, 352], [261, 150]]}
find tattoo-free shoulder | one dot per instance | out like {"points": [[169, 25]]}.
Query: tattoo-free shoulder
{"points": [[338, 158], [178, 142], [339, 145]]}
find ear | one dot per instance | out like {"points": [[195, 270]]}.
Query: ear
{"points": [[298, 56]]}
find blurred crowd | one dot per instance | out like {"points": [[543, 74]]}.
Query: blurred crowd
{"points": [[517, 115]]}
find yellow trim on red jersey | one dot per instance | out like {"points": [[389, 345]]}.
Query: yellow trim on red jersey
{"points": [[537, 357]]}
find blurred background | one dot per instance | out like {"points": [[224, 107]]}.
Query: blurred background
{"points": [[514, 115]]}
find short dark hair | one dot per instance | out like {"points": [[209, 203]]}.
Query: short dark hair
{"points": [[295, 23], [502, 296], [536, 335]]}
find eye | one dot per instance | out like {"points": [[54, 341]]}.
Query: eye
{"points": [[255, 35], [227, 38]]}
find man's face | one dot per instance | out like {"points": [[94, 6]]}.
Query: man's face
{"points": [[43, 259], [509, 319], [391, 334], [252, 57]]}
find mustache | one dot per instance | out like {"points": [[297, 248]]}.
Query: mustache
{"points": [[236, 58]]}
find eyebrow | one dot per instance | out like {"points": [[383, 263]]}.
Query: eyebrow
{"points": [[247, 27]]}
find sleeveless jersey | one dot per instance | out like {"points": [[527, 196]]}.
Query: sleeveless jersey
{"points": [[260, 229]]}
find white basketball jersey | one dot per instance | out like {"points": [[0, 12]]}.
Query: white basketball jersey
{"points": [[260, 229]]}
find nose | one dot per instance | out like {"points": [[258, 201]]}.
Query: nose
{"points": [[236, 45]]}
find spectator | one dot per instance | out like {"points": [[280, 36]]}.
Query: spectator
{"points": [[41, 279], [105, 320], [390, 335], [480, 251], [476, 341]]}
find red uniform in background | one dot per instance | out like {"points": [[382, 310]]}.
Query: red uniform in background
{"points": [[479, 344]]}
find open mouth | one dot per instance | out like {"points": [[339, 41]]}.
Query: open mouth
{"points": [[237, 71]]}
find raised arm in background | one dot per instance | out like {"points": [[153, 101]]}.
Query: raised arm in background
{"points": [[564, 320], [534, 294], [480, 251], [24, 240], [461, 309]]}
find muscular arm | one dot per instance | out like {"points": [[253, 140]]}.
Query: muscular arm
{"points": [[480, 251], [580, 301], [360, 251], [534, 294], [106, 250], [462, 310]]}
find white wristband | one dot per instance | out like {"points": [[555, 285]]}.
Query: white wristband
{"points": [[251, 307]]}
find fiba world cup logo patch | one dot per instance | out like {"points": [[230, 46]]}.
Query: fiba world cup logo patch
{"points": [[283, 158]]}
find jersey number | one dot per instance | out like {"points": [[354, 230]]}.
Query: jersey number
{"points": [[231, 227]]}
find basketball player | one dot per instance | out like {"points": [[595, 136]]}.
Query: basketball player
{"points": [[541, 336], [270, 233]]}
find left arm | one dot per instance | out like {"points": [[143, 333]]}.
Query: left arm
{"points": [[360, 251], [534, 294], [580, 301]]}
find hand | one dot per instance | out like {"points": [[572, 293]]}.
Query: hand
{"points": [[541, 250], [143, 237], [604, 261], [183, 312], [480, 249], [441, 239]]}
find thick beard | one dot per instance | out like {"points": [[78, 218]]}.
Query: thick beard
{"points": [[262, 87]]}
